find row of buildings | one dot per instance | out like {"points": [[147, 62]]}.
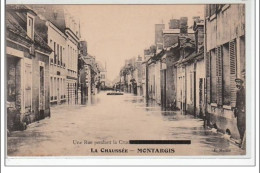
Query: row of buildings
{"points": [[193, 68], [47, 62]]}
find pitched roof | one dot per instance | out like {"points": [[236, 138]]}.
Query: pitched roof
{"points": [[53, 13], [16, 23], [13, 26]]}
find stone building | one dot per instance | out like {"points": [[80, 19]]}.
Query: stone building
{"points": [[225, 61], [139, 74], [171, 47], [27, 58], [103, 76], [63, 34], [72, 32]]}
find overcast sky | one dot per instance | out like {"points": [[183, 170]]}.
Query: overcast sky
{"points": [[118, 32]]}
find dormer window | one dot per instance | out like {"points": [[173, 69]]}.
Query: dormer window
{"points": [[30, 25]]}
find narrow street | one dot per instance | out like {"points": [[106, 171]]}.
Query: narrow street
{"points": [[119, 118]]}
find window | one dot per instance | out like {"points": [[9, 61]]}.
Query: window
{"points": [[68, 55], [54, 48], [208, 77], [219, 75], [58, 88], [71, 58], [54, 89], [242, 57], [63, 87], [30, 26], [226, 76], [58, 54], [233, 71], [213, 79], [51, 90]]}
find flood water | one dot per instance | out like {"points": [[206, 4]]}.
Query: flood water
{"points": [[110, 121]]}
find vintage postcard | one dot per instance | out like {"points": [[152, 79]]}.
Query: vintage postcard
{"points": [[127, 80]]}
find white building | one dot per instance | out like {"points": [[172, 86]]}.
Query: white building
{"points": [[63, 34]]}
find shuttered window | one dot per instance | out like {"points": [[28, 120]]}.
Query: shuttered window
{"points": [[208, 76], [219, 70], [226, 74], [213, 76], [233, 71]]}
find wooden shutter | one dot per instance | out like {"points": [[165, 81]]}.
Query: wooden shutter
{"points": [[233, 71], [208, 88], [219, 71]]}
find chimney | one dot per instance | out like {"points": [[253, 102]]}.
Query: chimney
{"points": [[198, 28], [174, 24], [184, 25]]}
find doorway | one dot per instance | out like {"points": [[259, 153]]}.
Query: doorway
{"points": [[42, 94]]}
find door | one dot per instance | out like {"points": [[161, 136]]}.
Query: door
{"points": [[58, 90], [201, 97], [41, 106], [27, 87], [163, 88], [42, 94]]}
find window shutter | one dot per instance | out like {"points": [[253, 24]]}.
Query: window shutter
{"points": [[219, 69], [233, 71], [208, 76]]}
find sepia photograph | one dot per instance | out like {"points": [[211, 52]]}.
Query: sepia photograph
{"points": [[126, 80]]}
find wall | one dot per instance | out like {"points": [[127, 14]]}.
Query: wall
{"points": [[190, 88], [223, 27], [158, 82], [57, 71], [171, 86], [39, 57], [151, 81], [227, 25], [200, 74]]}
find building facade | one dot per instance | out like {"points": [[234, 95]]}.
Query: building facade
{"points": [[27, 57], [225, 61], [63, 34], [72, 31]]}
